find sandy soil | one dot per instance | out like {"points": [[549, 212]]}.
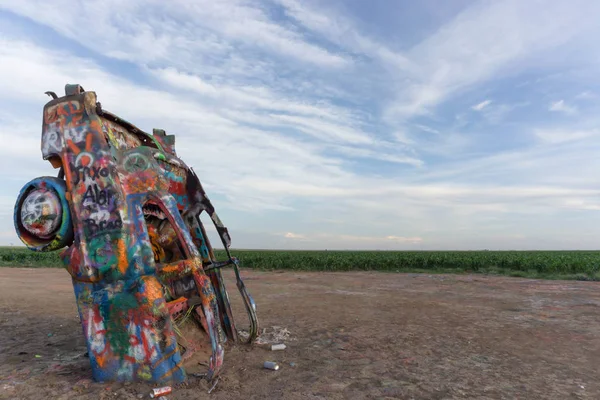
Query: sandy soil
{"points": [[355, 336]]}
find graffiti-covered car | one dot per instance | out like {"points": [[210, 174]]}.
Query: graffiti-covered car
{"points": [[125, 212]]}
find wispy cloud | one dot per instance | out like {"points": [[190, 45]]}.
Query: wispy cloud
{"points": [[342, 32], [564, 135], [151, 31], [496, 113], [384, 242], [487, 40], [404, 239], [427, 129], [382, 154], [296, 114], [291, 235], [482, 105], [586, 95], [561, 106]]}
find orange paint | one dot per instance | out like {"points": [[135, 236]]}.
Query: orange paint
{"points": [[88, 143], [100, 359], [170, 372], [121, 256], [163, 358], [73, 147], [153, 289], [171, 268]]}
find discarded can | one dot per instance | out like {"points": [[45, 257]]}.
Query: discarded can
{"points": [[271, 365], [277, 347], [163, 391]]}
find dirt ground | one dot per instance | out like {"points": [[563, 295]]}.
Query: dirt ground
{"points": [[353, 335]]}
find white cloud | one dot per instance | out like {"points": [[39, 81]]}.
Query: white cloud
{"points": [[324, 130], [427, 129], [354, 239], [497, 113], [564, 135], [291, 235], [582, 204], [247, 96], [404, 239], [152, 31], [586, 95], [341, 31], [379, 154], [257, 152], [380, 239], [283, 118], [561, 106], [403, 137], [487, 40], [482, 105]]}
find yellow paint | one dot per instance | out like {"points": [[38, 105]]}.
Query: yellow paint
{"points": [[145, 373]]}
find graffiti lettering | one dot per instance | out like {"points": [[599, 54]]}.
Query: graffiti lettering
{"points": [[94, 226], [97, 196], [81, 172]]}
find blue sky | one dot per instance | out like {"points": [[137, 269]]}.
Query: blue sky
{"points": [[336, 124]]}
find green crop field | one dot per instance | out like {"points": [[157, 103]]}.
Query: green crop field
{"points": [[583, 265]]}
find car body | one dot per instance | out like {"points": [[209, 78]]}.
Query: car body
{"points": [[125, 212]]}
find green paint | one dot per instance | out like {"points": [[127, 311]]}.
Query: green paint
{"points": [[144, 373], [116, 314], [102, 251]]}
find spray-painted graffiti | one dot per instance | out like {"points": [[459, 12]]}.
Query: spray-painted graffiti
{"points": [[126, 212], [40, 212]]}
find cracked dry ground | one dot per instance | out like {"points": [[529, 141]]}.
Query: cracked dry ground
{"points": [[355, 335]]}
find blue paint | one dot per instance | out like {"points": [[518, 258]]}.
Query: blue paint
{"points": [[166, 364]]}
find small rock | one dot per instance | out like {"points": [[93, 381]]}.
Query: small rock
{"points": [[83, 383]]}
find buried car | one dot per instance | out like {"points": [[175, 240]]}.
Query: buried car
{"points": [[125, 212]]}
